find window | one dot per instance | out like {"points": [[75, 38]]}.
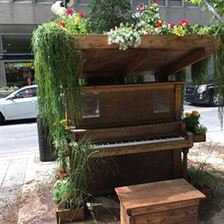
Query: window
{"points": [[175, 3], [162, 2], [29, 92]]}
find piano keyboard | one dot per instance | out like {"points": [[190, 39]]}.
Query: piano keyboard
{"points": [[137, 142]]}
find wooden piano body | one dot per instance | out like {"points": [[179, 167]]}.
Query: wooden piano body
{"points": [[136, 129]]}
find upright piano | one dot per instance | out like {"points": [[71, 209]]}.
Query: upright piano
{"points": [[136, 129]]}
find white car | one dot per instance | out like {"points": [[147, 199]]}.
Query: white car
{"points": [[21, 104]]}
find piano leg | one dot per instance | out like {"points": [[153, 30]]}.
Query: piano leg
{"points": [[185, 152]]}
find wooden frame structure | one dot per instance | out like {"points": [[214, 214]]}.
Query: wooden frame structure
{"points": [[157, 55]]}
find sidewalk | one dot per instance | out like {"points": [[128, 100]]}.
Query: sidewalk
{"points": [[20, 174]]}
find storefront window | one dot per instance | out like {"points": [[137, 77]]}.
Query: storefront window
{"points": [[19, 73]]}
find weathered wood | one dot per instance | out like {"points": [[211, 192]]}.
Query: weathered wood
{"points": [[70, 215], [150, 41], [199, 137], [188, 59], [173, 201], [129, 132], [135, 63], [155, 54], [125, 105]]}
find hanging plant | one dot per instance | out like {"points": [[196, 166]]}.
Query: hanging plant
{"points": [[58, 67]]}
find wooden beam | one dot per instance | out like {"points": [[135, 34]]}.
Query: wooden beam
{"points": [[149, 41], [135, 63], [190, 58]]}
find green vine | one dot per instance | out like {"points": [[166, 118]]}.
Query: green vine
{"points": [[58, 66]]}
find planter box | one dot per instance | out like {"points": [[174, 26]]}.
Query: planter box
{"points": [[199, 137], [70, 215]]}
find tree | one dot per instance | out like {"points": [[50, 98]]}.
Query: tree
{"points": [[106, 14], [214, 6]]}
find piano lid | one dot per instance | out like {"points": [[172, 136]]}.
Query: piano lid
{"points": [[165, 54]]}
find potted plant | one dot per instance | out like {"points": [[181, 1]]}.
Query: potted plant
{"points": [[192, 124], [70, 190]]}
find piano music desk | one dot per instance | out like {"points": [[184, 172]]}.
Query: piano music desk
{"points": [[164, 202]]}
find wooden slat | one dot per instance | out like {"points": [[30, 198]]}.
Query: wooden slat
{"points": [[132, 132], [135, 63], [178, 101], [127, 87], [185, 215], [188, 59], [150, 41]]}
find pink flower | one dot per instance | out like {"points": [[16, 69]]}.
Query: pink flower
{"points": [[172, 25], [183, 22], [62, 23], [81, 14], [159, 23], [70, 11]]}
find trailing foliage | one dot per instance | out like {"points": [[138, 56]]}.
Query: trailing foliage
{"points": [[58, 67], [106, 14]]}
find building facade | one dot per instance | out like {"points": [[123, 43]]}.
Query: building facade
{"points": [[18, 18]]}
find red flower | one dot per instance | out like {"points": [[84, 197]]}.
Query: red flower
{"points": [[155, 1], [61, 171], [183, 22], [172, 25], [159, 24], [69, 11], [62, 23], [81, 14]]}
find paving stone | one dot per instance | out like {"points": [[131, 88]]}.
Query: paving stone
{"points": [[15, 173]]}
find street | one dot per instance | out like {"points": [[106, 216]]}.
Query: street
{"points": [[18, 137]]}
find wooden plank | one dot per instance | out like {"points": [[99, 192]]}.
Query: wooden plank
{"points": [[150, 41], [115, 88], [132, 132], [135, 63], [188, 59], [179, 215], [157, 195]]}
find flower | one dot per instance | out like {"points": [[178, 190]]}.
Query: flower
{"points": [[183, 22], [77, 20], [81, 14], [159, 23], [155, 1], [61, 171], [62, 23], [187, 114], [172, 25], [69, 11], [195, 113]]}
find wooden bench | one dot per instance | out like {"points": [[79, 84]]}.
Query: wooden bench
{"points": [[164, 202]]}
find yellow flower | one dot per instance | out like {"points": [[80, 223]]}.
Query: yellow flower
{"points": [[77, 20], [187, 114], [195, 113]]}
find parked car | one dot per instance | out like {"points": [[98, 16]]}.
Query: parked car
{"points": [[21, 104], [202, 94]]}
